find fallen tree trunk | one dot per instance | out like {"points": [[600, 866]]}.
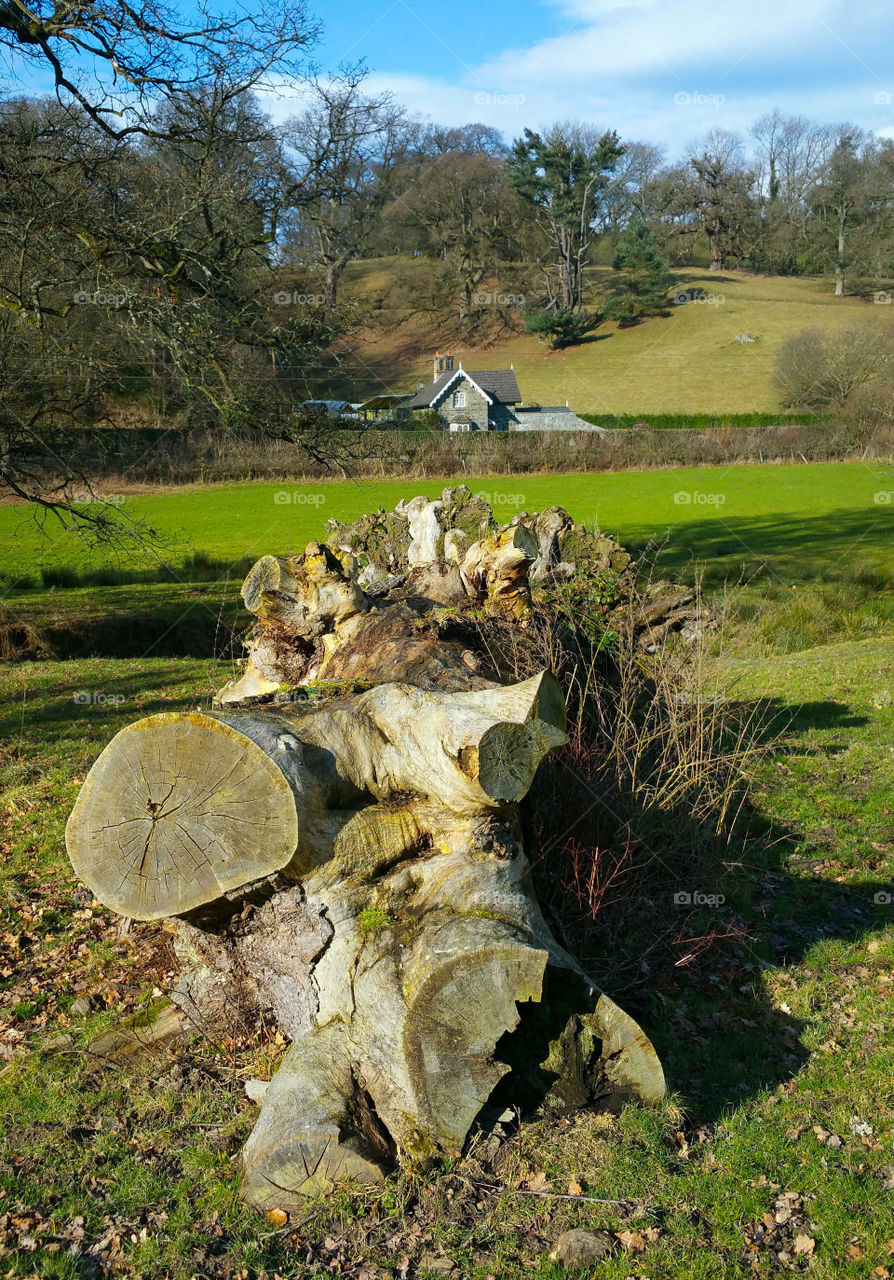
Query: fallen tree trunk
{"points": [[339, 847], [180, 809]]}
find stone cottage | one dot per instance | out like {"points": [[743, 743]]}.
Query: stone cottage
{"points": [[467, 401], [487, 400]]}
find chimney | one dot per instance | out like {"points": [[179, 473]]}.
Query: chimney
{"points": [[443, 364]]}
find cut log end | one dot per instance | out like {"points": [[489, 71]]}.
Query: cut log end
{"points": [[508, 756], [178, 810], [454, 1021], [311, 1131]]}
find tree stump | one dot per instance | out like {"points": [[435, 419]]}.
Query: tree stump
{"points": [[339, 845]]}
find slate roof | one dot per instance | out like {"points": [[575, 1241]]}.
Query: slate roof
{"points": [[499, 384]]}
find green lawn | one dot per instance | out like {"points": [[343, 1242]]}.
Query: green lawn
{"points": [[807, 548], [728, 516]]}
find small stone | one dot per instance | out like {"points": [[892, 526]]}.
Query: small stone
{"points": [[80, 1007], [579, 1248], [433, 1262]]}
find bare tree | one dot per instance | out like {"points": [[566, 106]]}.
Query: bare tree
{"points": [[459, 200], [816, 368], [116, 61], [626, 197], [841, 200], [139, 214], [721, 193], [791, 152], [345, 149]]}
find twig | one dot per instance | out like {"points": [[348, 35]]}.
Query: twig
{"points": [[547, 1195]]}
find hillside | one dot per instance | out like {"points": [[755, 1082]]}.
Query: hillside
{"points": [[688, 362]]}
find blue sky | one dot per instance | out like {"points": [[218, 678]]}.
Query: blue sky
{"points": [[663, 71], [658, 70]]}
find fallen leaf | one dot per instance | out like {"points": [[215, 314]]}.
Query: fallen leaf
{"points": [[537, 1181], [804, 1245], [574, 1188], [854, 1251], [631, 1240]]}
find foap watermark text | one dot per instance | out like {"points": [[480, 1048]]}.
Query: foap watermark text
{"points": [[501, 499], [96, 698], [287, 497], [692, 497]]}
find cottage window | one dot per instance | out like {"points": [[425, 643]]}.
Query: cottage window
{"points": [[459, 399]]}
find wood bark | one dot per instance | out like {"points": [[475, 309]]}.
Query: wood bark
{"points": [[182, 808], [338, 845]]}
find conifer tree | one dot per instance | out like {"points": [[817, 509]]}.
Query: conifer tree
{"points": [[642, 281]]}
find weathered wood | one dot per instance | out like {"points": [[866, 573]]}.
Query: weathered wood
{"points": [[340, 844], [412, 1011], [425, 530], [177, 810], [307, 593], [471, 750], [260, 967], [333, 613], [180, 809], [496, 568], [310, 1133]]}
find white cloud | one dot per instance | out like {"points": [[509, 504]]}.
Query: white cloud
{"points": [[626, 64], [675, 38]]}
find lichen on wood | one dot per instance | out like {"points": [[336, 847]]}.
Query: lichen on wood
{"points": [[339, 848]]}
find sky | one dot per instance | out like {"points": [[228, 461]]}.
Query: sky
{"points": [[662, 71]]}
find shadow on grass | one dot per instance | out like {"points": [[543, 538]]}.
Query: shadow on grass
{"points": [[776, 717], [685, 923], [106, 702], [829, 549], [182, 628], [721, 1040]]}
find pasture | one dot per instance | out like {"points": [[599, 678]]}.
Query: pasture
{"points": [[803, 519], [687, 362]]}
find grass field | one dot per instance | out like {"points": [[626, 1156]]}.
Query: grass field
{"points": [[686, 362], [776, 1149], [778, 1047], [728, 516]]}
